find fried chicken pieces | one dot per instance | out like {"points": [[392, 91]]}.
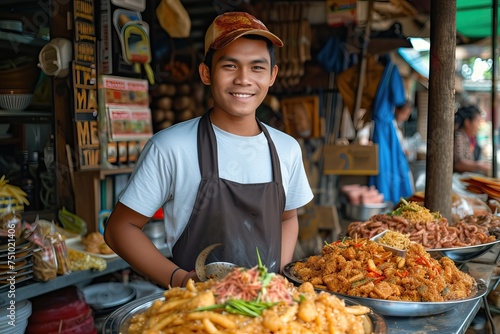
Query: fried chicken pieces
{"points": [[363, 268], [94, 243]]}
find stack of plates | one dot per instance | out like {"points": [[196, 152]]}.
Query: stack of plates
{"points": [[16, 262], [22, 313], [109, 295]]}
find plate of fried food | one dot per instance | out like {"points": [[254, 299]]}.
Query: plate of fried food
{"points": [[244, 301], [92, 244], [365, 271], [462, 241]]}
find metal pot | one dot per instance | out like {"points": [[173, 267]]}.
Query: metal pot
{"points": [[363, 212], [155, 230]]}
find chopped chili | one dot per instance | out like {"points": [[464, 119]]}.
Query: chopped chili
{"points": [[373, 274], [402, 273], [424, 261]]}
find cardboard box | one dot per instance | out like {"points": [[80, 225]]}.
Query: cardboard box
{"points": [[350, 159]]}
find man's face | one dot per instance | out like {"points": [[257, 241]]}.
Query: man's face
{"points": [[241, 76]]}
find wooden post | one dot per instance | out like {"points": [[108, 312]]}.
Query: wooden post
{"points": [[494, 83], [365, 39], [439, 169], [63, 130]]}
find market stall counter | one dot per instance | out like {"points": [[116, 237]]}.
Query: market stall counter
{"points": [[454, 321], [33, 288]]}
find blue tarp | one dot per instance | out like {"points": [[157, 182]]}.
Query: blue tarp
{"points": [[393, 179]]}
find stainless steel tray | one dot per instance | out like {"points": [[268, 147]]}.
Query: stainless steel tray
{"points": [[396, 308], [119, 320], [457, 254], [463, 254]]}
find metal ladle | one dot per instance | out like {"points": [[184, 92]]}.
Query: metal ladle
{"points": [[215, 270]]}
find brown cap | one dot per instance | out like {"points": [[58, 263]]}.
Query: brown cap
{"points": [[226, 28]]}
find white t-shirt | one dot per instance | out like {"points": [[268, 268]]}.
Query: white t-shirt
{"points": [[168, 174]]}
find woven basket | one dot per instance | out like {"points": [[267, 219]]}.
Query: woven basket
{"points": [[15, 101]]}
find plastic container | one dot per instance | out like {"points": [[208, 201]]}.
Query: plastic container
{"points": [[55, 57], [61, 304], [61, 312], [63, 323]]}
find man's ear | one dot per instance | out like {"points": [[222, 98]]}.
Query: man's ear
{"points": [[204, 73], [274, 75]]}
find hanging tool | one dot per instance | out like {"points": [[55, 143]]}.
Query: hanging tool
{"points": [[134, 39]]}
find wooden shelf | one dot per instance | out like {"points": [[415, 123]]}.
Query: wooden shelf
{"points": [[16, 38], [88, 184], [33, 288], [21, 117]]}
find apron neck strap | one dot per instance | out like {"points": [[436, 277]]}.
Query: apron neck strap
{"points": [[207, 149]]}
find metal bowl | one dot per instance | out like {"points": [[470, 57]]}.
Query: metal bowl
{"points": [[363, 212], [457, 254], [463, 254], [119, 320], [397, 308]]}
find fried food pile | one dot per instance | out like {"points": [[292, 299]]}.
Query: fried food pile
{"points": [[94, 243], [193, 310], [363, 268]]}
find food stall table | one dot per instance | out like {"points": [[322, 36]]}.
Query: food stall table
{"points": [[33, 288], [452, 322]]}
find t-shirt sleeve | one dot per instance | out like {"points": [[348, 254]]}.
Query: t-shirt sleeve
{"points": [[148, 186], [299, 190]]}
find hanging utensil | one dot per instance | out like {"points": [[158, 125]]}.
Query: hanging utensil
{"points": [[133, 33], [136, 48]]}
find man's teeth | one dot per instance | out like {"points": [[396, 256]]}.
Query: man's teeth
{"points": [[242, 95]]}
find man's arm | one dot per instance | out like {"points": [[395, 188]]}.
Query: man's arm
{"points": [[124, 235], [289, 235]]}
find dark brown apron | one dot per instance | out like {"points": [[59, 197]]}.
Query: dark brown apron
{"points": [[243, 217]]}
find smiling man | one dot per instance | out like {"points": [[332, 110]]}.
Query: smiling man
{"points": [[224, 177]]}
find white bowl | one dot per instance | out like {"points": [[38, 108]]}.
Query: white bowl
{"points": [[15, 101]]}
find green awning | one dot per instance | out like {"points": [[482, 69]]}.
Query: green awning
{"points": [[474, 18]]}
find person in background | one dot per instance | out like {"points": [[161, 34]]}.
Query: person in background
{"points": [[224, 177], [467, 120], [401, 115]]}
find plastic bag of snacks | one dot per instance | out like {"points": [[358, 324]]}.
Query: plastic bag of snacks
{"points": [[44, 262], [48, 231], [61, 252], [44, 256]]}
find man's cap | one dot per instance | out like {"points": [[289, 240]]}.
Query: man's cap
{"points": [[228, 27]]}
